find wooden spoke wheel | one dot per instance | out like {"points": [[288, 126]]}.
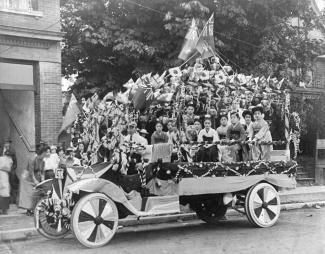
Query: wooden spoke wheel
{"points": [[48, 227], [94, 220], [210, 211], [262, 205]]}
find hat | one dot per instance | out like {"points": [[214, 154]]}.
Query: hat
{"points": [[69, 149], [207, 116], [190, 103], [223, 114], [258, 108], [143, 131], [53, 147], [247, 112]]}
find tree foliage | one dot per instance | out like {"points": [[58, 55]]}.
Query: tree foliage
{"points": [[107, 40]]}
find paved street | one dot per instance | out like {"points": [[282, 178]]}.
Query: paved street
{"points": [[297, 231]]}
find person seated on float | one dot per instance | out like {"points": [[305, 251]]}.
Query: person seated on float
{"points": [[173, 138], [248, 116], [133, 154], [172, 132], [190, 116], [235, 132], [195, 130], [222, 132], [259, 131], [159, 136], [133, 136], [208, 152], [144, 133], [222, 129], [235, 107]]}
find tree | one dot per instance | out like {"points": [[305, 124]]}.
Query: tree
{"points": [[107, 40]]}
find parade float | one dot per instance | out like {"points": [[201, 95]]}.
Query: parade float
{"points": [[90, 200]]}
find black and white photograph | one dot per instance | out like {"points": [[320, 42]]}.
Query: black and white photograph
{"points": [[162, 126]]}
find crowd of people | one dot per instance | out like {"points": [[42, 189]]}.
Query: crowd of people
{"points": [[190, 109], [40, 167]]}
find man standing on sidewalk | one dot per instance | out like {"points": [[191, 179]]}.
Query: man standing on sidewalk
{"points": [[13, 178]]}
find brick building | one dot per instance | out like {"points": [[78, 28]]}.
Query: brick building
{"points": [[30, 74]]}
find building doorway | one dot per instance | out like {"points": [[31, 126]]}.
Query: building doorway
{"points": [[17, 109]]}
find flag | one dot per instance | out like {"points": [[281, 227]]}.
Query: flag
{"points": [[205, 44], [175, 72], [191, 39], [72, 112]]}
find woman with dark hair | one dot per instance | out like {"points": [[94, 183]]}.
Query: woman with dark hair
{"points": [[159, 136], [235, 132], [209, 152]]}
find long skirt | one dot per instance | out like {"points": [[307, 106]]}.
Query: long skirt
{"points": [[28, 197], [261, 152], [4, 190], [209, 154]]}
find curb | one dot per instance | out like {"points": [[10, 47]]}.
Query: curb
{"points": [[26, 233]]}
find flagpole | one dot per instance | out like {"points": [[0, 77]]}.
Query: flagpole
{"points": [[188, 60], [214, 54], [180, 66]]}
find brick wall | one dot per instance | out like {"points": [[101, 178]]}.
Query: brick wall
{"points": [[50, 104], [51, 54], [46, 56], [50, 20]]}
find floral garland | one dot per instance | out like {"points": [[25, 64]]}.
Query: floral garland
{"points": [[234, 142], [295, 133], [256, 167]]}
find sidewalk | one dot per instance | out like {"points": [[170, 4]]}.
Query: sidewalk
{"points": [[18, 226]]}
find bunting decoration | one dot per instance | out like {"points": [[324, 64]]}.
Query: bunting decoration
{"points": [[225, 169], [211, 86]]}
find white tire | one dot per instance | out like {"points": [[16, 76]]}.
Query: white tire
{"points": [[262, 205], [94, 220]]}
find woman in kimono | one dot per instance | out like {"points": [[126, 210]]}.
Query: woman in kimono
{"points": [[208, 152], [159, 136], [248, 116], [222, 132], [259, 131], [235, 132]]}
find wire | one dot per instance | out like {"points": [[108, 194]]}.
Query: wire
{"points": [[162, 13], [246, 42], [45, 28], [231, 61], [145, 7]]}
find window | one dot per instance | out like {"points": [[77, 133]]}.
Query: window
{"points": [[19, 5]]}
